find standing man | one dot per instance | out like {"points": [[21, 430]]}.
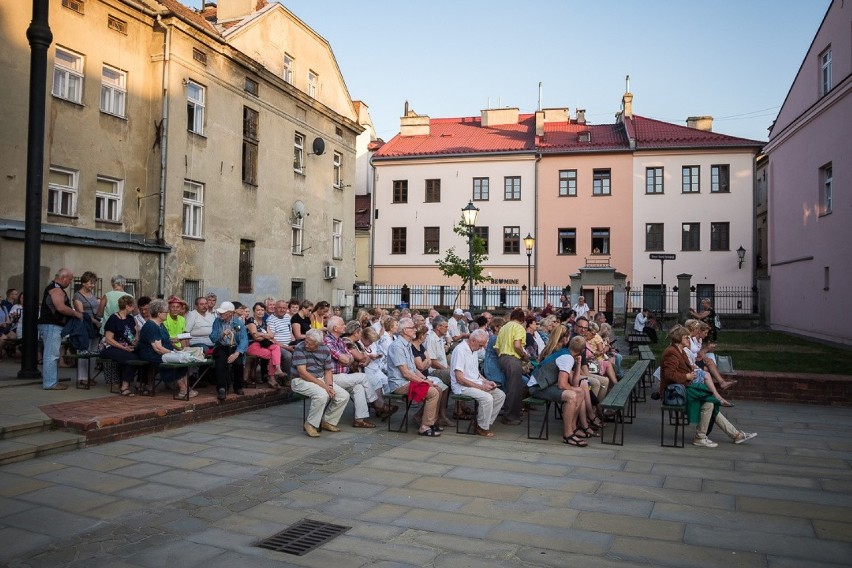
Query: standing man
{"points": [[467, 380], [510, 347], [55, 311], [312, 376]]}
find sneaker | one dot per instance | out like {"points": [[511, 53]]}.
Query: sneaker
{"points": [[310, 430], [704, 442], [221, 394], [744, 437]]}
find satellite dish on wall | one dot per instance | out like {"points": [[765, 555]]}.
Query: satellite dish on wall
{"points": [[319, 146], [299, 210]]}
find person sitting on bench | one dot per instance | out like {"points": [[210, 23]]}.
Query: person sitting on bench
{"points": [[468, 381], [645, 323]]}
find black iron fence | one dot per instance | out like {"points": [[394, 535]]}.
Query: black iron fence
{"points": [[725, 300]]}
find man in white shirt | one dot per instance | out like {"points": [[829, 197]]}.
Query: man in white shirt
{"points": [[199, 324], [436, 349], [278, 324], [467, 380], [644, 324], [454, 329]]}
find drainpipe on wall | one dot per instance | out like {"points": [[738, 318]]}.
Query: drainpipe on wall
{"points": [[372, 229], [535, 221], [164, 128]]}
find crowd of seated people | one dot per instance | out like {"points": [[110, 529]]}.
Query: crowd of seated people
{"points": [[559, 355]]}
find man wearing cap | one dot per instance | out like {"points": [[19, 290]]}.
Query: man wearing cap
{"points": [[175, 323], [455, 332], [230, 341]]}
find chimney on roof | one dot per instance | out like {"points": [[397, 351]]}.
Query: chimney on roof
{"points": [[499, 116], [700, 123], [581, 116], [413, 124], [627, 105], [233, 9], [547, 115]]}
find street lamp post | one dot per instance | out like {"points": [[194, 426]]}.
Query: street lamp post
{"points": [[529, 243], [469, 212]]}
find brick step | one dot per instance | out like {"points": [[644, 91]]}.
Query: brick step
{"points": [[23, 426], [39, 444]]}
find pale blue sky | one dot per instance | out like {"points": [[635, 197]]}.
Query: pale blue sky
{"points": [[732, 59]]}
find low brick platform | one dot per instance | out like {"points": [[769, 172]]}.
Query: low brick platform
{"points": [[803, 388], [112, 418]]}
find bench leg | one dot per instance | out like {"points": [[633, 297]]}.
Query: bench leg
{"points": [[403, 423], [677, 419], [471, 422], [617, 430], [544, 430]]}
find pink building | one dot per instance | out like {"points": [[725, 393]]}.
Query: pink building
{"points": [[810, 224]]}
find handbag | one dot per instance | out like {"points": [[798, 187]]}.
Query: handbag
{"points": [[674, 395], [265, 343]]}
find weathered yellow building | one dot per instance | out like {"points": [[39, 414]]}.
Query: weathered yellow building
{"points": [[189, 151]]}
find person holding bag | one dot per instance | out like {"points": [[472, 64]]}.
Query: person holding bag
{"points": [[702, 407], [262, 342]]}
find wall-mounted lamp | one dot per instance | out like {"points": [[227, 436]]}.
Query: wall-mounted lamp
{"points": [[741, 256]]}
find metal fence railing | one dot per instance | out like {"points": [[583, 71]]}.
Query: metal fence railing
{"points": [[725, 299]]}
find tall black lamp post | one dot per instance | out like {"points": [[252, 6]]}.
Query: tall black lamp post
{"points": [[469, 213], [529, 243]]}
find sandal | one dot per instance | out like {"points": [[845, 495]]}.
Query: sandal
{"points": [[574, 441], [361, 423], [591, 432], [273, 384], [581, 433], [127, 392], [430, 432], [727, 404]]}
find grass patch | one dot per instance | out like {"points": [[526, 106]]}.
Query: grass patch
{"points": [[773, 351]]}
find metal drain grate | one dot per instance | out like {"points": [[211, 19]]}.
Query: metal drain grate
{"points": [[303, 537]]}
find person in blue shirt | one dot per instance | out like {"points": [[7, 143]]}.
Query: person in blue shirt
{"points": [[230, 342]]}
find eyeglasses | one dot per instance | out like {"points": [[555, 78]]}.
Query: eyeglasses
{"points": [[581, 327]]}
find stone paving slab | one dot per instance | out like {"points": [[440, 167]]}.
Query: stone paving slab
{"points": [[204, 497]]}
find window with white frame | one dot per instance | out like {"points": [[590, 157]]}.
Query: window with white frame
{"points": [[336, 164], [336, 239], [297, 229], [193, 208], [62, 191], [601, 182], [299, 153], [825, 72], [113, 90], [288, 68], [826, 175], [108, 193], [313, 80], [68, 75], [195, 101]]}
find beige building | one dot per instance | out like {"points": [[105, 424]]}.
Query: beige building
{"points": [[189, 151]]}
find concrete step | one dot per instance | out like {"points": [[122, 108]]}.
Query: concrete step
{"points": [[16, 426], [39, 444]]}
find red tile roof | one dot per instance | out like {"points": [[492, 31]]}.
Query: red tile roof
{"points": [[651, 134], [191, 15], [464, 135], [452, 136], [569, 136], [362, 212]]}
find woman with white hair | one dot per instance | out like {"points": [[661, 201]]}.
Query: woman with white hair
{"points": [[109, 302]]}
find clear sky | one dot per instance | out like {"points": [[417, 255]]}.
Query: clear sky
{"points": [[732, 59]]}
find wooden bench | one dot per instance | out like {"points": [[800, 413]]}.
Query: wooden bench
{"points": [[646, 354], [471, 421], [636, 339], [621, 399], [678, 418]]}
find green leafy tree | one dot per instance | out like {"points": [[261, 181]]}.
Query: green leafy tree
{"points": [[455, 265]]}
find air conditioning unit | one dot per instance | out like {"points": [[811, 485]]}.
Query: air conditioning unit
{"points": [[330, 272]]}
